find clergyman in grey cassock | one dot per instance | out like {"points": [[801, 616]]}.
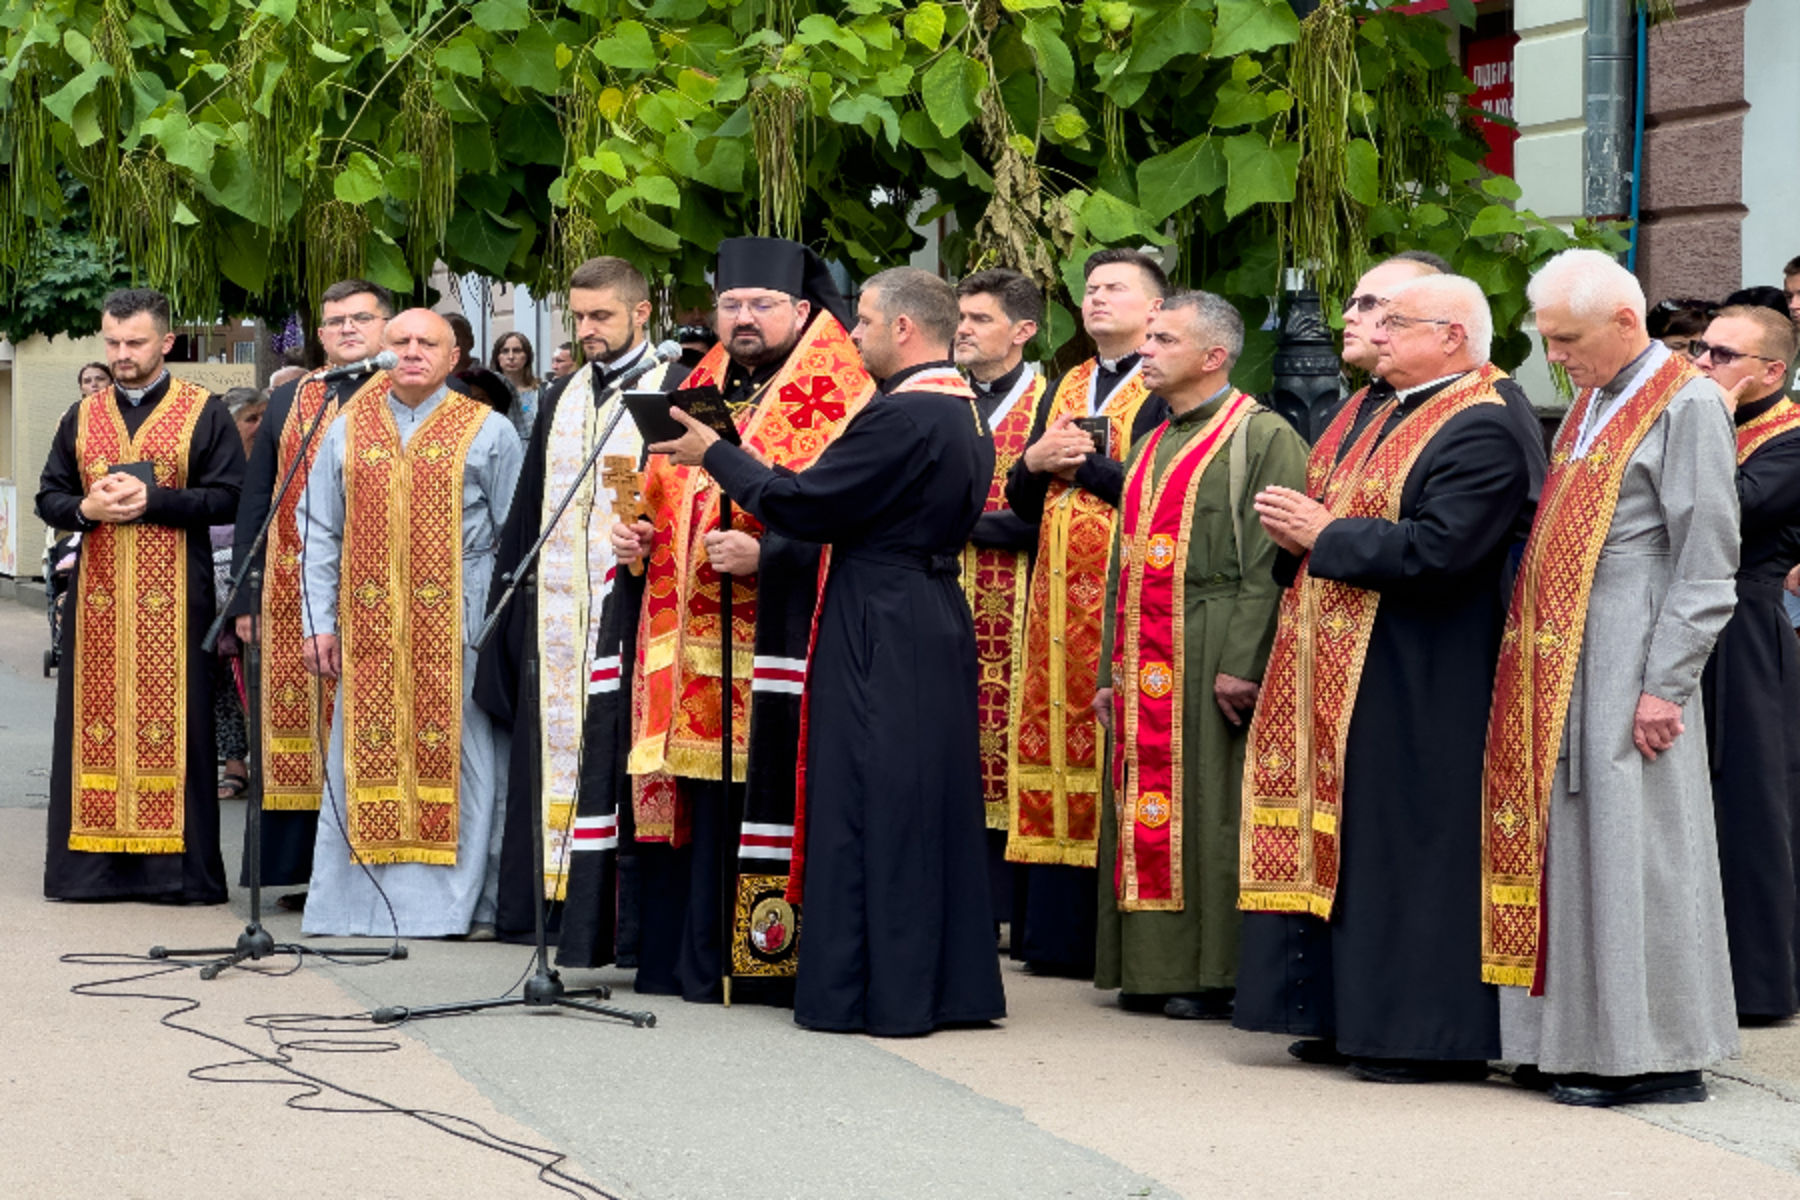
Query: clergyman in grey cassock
{"points": [[1637, 977], [347, 898]]}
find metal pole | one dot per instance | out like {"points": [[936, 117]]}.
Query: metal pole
{"points": [[1611, 85]]}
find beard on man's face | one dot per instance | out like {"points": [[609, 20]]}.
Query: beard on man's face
{"points": [[750, 348]]}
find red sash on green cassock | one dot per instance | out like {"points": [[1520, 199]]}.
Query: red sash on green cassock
{"points": [[1149, 688]]}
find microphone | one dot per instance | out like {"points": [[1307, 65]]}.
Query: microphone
{"points": [[665, 352], [387, 360]]}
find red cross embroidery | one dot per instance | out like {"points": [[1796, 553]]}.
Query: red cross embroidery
{"points": [[807, 407]]}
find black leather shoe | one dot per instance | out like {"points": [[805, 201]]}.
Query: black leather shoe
{"points": [[1321, 1052], [1526, 1075], [1207, 1004], [1416, 1070], [1143, 1002], [1604, 1091]]}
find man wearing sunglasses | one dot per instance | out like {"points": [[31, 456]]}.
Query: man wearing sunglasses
{"points": [[1602, 911], [1752, 684]]}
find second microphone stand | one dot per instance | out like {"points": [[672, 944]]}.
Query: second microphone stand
{"points": [[257, 943], [544, 988]]}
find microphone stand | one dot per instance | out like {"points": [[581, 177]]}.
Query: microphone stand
{"points": [[731, 833], [544, 988], [256, 943]]}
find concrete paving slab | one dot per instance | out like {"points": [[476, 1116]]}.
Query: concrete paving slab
{"points": [[1068, 1098]]}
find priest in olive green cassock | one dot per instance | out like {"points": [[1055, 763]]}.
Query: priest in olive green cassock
{"points": [[1190, 615]]}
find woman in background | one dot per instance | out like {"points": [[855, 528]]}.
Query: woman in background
{"points": [[512, 357], [94, 377]]}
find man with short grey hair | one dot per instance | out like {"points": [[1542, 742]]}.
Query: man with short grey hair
{"points": [[1362, 789], [1189, 615], [1600, 899]]}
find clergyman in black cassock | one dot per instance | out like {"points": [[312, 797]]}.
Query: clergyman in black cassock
{"points": [[1751, 684], [215, 472], [1394, 976], [898, 933]]}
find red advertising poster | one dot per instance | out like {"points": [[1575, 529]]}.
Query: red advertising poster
{"points": [[1488, 62]]}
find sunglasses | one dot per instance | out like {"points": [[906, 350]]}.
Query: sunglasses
{"points": [[1722, 356], [1366, 303]]}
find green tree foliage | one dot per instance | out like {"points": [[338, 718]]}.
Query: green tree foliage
{"points": [[63, 277], [245, 154]]}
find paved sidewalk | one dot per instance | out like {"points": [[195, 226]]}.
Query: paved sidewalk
{"points": [[1069, 1098]]}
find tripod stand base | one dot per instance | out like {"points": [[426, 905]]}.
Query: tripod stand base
{"points": [[256, 944], [544, 989]]}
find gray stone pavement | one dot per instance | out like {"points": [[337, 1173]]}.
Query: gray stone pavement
{"points": [[1068, 1098]]}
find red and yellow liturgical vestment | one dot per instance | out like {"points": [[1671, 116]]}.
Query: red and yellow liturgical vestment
{"points": [[400, 621], [296, 721], [1156, 522], [1539, 651], [676, 695], [131, 629], [995, 581], [1054, 800], [1781, 416], [1294, 764]]}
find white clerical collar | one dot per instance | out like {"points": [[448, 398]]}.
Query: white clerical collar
{"points": [[1606, 403], [1112, 366], [135, 396], [610, 371], [1405, 394]]}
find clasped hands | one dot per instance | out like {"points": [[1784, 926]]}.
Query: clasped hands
{"points": [[731, 552], [1061, 450], [115, 499], [1292, 519]]}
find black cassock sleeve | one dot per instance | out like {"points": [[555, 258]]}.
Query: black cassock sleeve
{"points": [[1768, 486], [498, 669], [870, 465], [1004, 530], [60, 491], [215, 477], [1475, 478]]}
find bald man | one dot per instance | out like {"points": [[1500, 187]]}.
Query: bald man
{"points": [[401, 516]]}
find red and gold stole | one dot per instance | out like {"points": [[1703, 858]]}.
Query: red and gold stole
{"points": [[400, 621], [1294, 764], [995, 582], [296, 721], [1156, 521], [676, 695], [131, 631], [1054, 780], [1781, 416], [1539, 651]]}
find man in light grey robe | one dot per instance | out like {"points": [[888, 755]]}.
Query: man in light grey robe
{"points": [[1637, 982], [347, 897]]}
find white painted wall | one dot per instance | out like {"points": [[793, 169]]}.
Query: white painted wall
{"points": [[1771, 139], [1549, 103]]}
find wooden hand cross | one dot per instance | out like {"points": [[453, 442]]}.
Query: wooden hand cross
{"points": [[627, 488]]}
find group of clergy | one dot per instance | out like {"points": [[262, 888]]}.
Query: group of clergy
{"points": [[898, 634]]}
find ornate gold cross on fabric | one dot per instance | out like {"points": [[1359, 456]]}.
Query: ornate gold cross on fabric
{"points": [[627, 487]]}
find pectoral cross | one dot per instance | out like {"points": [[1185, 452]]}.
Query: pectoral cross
{"points": [[627, 488]]}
